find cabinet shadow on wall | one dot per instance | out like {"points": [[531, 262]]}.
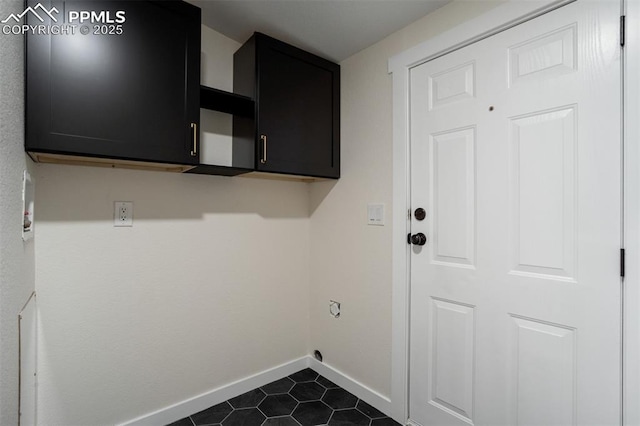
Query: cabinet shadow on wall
{"points": [[318, 192], [78, 193]]}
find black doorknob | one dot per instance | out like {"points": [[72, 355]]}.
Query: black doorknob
{"points": [[419, 239]]}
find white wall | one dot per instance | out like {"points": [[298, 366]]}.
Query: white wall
{"points": [[16, 257], [210, 285], [351, 261]]}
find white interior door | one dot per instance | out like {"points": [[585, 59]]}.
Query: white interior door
{"points": [[515, 157]]}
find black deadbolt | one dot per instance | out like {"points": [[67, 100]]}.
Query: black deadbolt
{"points": [[420, 213]]}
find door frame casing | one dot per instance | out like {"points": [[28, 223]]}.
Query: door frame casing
{"points": [[485, 25], [631, 132]]}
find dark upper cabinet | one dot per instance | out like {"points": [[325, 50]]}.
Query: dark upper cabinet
{"points": [[130, 96], [296, 127]]}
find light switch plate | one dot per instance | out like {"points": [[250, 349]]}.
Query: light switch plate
{"points": [[375, 214]]}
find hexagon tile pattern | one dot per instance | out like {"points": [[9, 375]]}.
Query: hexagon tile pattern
{"points": [[302, 399]]}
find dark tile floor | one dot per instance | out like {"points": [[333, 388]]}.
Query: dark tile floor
{"points": [[302, 399]]}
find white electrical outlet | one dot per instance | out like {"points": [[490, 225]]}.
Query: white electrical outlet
{"points": [[123, 213]]}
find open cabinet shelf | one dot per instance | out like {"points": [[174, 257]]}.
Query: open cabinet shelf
{"points": [[219, 100], [229, 103]]}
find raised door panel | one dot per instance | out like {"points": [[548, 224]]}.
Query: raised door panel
{"points": [[453, 192], [125, 96], [543, 149], [543, 364], [451, 372]]}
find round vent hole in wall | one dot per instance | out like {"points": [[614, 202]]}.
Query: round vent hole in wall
{"points": [[334, 308]]}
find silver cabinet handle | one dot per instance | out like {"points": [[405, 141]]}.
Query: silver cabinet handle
{"points": [[194, 128], [263, 159]]}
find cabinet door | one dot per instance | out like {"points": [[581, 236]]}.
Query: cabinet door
{"points": [[130, 96], [298, 113]]}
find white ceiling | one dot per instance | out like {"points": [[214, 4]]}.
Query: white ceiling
{"points": [[334, 29]]}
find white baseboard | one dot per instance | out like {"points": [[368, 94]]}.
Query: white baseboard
{"points": [[216, 396], [368, 395]]}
